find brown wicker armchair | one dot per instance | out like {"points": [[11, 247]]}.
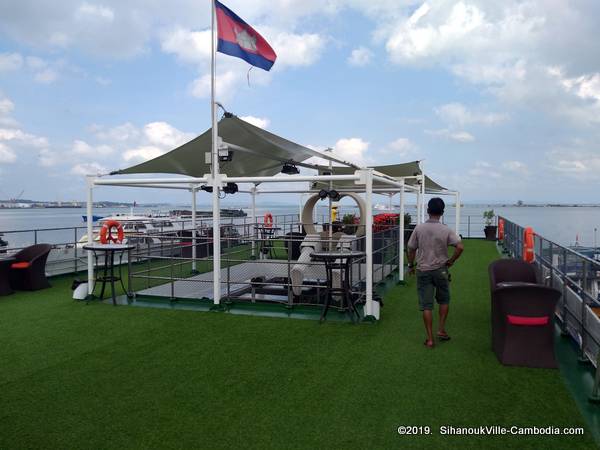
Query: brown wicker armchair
{"points": [[522, 315], [29, 271]]}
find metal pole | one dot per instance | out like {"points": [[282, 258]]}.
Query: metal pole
{"points": [[90, 233], [216, 207], [418, 207], [457, 211], [390, 205], [194, 229], [253, 193], [369, 240], [423, 198], [401, 240]]}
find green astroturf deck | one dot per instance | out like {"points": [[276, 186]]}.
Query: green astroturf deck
{"points": [[96, 376]]}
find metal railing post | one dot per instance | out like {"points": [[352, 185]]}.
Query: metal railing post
{"points": [[582, 356]]}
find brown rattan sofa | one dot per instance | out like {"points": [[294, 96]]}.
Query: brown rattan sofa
{"points": [[522, 315], [28, 272]]}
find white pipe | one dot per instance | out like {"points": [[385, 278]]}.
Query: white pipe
{"points": [[193, 229], [254, 230], [457, 211], [369, 240], [423, 198], [185, 187], [216, 207], [150, 181], [90, 233], [390, 202], [419, 204], [290, 179], [401, 240]]}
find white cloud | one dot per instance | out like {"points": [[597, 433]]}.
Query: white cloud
{"points": [[48, 158], [576, 162], [401, 148], [6, 106], [458, 114], [92, 168], [82, 148], [352, 150], [294, 50], [225, 86], [46, 76], [35, 62], [257, 121], [87, 11], [517, 167], [10, 61], [189, 46], [144, 153], [453, 135], [7, 155], [120, 133], [360, 57], [165, 135]]}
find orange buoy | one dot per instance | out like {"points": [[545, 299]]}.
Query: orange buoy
{"points": [[268, 220], [528, 245], [500, 229], [106, 232]]}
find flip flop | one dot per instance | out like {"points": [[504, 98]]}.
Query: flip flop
{"points": [[428, 344], [443, 337]]}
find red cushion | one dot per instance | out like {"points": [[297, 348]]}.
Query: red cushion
{"points": [[20, 265], [528, 321]]}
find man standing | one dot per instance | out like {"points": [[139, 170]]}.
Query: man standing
{"points": [[429, 244]]}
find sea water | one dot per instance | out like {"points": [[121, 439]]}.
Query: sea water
{"points": [[563, 225]]}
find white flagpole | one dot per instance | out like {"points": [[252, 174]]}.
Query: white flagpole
{"points": [[215, 165]]}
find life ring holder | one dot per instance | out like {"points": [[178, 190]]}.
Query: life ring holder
{"points": [[501, 229], [528, 245], [268, 220], [106, 232]]}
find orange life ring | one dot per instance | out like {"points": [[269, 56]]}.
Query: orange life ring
{"points": [[501, 229], [528, 244], [268, 220], [106, 232]]}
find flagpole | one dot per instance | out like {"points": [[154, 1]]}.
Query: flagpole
{"points": [[215, 165]]}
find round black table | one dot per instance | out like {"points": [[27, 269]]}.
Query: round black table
{"points": [[341, 260], [108, 276], [5, 263], [267, 234]]}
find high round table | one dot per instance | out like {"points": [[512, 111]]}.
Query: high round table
{"points": [[267, 234], [108, 276], [339, 260], [5, 263]]}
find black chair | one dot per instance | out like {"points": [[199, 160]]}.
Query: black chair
{"points": [[522, 315], [28, 272]]}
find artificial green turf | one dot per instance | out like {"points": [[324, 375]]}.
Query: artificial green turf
{"points": [[96, 376]]}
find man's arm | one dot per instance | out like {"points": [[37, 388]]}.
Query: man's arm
{"points": [[458, 249], [412, 254]]}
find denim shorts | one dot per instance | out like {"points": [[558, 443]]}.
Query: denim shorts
{"points": [[433, 284]]}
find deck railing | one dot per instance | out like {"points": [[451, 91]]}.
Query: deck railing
{"points": [[577, 277]]}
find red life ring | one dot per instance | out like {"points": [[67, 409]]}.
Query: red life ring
{"points": [[500, 229], [528, 245], [268, 220], [106, 232]]}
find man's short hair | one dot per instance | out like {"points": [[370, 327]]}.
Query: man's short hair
{"points": [[436, 206]]}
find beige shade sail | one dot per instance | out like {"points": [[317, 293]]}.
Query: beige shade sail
{"points": [[256, 152]]}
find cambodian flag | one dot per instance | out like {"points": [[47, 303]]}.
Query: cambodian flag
{"points": [[237, 38]]}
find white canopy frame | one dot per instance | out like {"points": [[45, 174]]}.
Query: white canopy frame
{"points": [[363, 179]]}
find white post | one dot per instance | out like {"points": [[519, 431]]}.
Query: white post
{"points": [[457, 211], [391, 203], [418, 207], [216, 207], [401, 242], [369, 309], [194, 231], [253, 217], [90, 233], [423, 198]]}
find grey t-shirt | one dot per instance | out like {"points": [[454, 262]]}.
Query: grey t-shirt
{"points": [[431, 240]]}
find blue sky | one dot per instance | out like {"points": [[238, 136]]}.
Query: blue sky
{"points": [[502, 101]]}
